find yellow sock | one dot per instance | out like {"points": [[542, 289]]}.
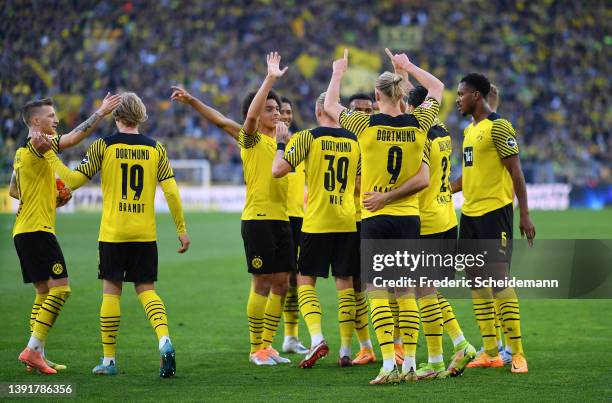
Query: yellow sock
{"points": [[155, 311], [346, 316], [451, 325], [38, 301], [499, 331], [291, 312], [382, 322], [110, 317], [272, 317], [361, 317], [310, 307], [256, 307], [484, 310], [409, 324], [511, 318], [49, 311], [395, 312], [433, 326]]}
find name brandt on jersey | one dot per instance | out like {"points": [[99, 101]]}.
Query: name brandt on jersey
{"points": [[131, 207], [341, 146], [395, 135], [130, 154]]}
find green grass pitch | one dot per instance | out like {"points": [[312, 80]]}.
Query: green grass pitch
{"points": [[568, 343]]}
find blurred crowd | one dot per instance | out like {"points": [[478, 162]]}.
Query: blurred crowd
{"points": [[549, 58]]}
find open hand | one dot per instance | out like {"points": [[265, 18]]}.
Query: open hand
{"points": [[181, 95], [109, 104], [274, 70], [41, 142], [341, 65]]}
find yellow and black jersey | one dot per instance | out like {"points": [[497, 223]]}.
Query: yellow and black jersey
{"points": [[487, 184], [331, 157], [131, 166], [37, 190], [295, 192], [436, 201], [392, 151], [266, 197]]}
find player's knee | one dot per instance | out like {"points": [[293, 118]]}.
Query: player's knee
{"points": [[63, 291]]}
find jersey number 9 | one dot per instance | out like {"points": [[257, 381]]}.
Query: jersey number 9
{"points": [[340, 173], [394, 163], [135, 179]]}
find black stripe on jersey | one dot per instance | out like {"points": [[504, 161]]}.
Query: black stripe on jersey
{"points": [[437, 131], [332, 132], [164, 171], [92, 162], [504, 138], [32, 149], [405, 120], [493, 116], [130, 139]]}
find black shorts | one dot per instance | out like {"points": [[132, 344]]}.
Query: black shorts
{"points": [[391, 227], [40, 256], [493, 230], [296, 230], [443, 243], [134, 262], [268, 246], [340, 250]]}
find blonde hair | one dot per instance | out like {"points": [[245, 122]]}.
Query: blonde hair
{"points": [[389, 85], [131, 111], [493, 98], [321, 99]]}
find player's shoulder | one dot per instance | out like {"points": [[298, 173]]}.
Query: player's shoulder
{"points": [[129, 139], [437, 130], [403, 120], [499, 122], [336, 132]]}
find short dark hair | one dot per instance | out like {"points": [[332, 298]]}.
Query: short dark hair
{"points": [[478, 82], [361, 95], [249, 98], [30, 108], [286, 100], [417, 95]]}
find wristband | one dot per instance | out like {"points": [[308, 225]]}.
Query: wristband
{"points": [[280, 146]]}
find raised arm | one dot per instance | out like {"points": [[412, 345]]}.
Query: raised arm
{"points": [[280, 166], [332, 104], [375, 201], [212, 115], [259, 101], [83, 130], [434, 86]]}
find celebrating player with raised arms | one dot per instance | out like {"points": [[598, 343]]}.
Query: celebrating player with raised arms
{"points": [[388, 161], [295, 202], [131, 166], [33, 184], [329, 236], [491, 176]]}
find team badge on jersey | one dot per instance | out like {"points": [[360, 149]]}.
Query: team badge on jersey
{"points": [[257, 262], [85, 159], [57, 269], [511, 142], [426, 104]]}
